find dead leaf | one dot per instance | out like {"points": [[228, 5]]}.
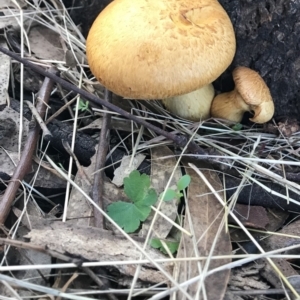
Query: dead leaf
{"points": [[128, 164], [251, 216], [204, 221], [9, 143], [275, 242], [292, 232], [162, 166], [276, 218], [44, 42], [80, 211]]}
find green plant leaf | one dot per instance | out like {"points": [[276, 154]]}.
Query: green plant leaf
{"points": [[157, 244], [183, 182], [82, 105], [126, 215], [129, 215], [137, 189], [169, 195], [237, 127]]}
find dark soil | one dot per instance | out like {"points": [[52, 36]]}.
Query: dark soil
{"points": [[267, 35]]}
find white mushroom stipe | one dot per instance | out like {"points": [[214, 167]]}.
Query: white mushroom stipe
{"points": [[194, 106]]}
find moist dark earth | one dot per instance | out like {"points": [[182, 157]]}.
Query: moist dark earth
{"points": [[268, 41], [268, 34]]}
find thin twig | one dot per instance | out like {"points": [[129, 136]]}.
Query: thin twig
{"points": [[260, 292], [26, 158], [99, 282], [45, 250], [179, 140], [100, 163], [46, 132]]}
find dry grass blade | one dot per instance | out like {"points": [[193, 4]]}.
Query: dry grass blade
{"points": [[205, 219], [4, 75]]}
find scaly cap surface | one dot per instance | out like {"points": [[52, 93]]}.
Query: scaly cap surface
{"points": [[154, 49]]}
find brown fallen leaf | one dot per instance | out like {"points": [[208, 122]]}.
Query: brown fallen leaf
{"points": [[274, 242], [276, 219], [128, 164], [251, 216], [80, 211], [45, 43], [204, 218]]}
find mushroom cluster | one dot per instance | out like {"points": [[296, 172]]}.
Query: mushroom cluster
{"points": [[161, 49], [172, 50]]}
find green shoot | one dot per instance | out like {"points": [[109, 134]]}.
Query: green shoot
{"points": [[83, 106], [157, 244], [171, 193]]}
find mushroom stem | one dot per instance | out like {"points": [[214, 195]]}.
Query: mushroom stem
{"points": [[194, 106], [229, 106]]}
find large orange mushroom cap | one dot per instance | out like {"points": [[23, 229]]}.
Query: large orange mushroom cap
{"points": [[155, 49]]}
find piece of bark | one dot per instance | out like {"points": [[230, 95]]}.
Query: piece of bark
{"points": [[288, 237], [84, 144], [254, 194], [95, 244]]}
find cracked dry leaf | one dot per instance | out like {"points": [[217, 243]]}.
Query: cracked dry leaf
{"points": [[161, 171], [45, 43], [128, 164], [204, 218], [80, 211]]}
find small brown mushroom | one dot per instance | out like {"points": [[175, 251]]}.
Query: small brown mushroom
{"points": [[250, 94]]}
